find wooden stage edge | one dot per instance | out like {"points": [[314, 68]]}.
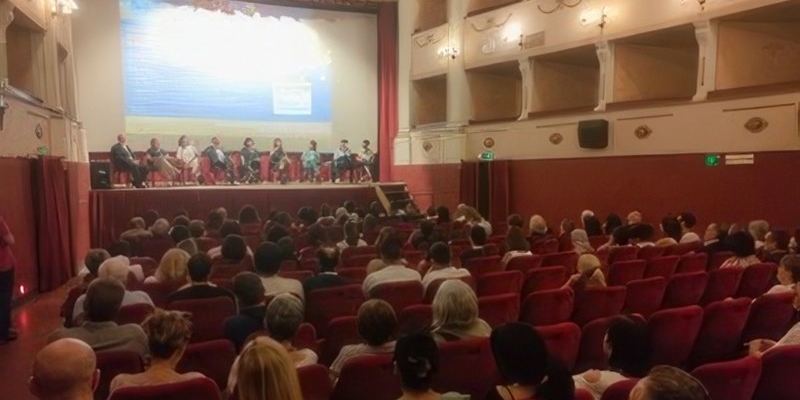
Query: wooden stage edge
{"points": [[258, 186]]}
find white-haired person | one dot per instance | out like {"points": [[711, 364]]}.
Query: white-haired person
{"points": [[455, 313], [116, 268]]}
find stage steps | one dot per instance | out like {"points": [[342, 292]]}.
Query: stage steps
{"points": [[395, 193]]}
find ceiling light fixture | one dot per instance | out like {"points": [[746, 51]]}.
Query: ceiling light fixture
{"points": [[560, 4]]}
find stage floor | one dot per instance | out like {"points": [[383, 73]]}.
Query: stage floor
{"points": [[111, 209]]}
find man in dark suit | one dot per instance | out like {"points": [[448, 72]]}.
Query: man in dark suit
{"points": [[123, 158], [199, 267], [327, 278]]}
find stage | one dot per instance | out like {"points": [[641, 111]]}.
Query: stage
{"points": [[111, 209]]}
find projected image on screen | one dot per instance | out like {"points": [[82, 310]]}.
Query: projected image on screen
{"points": [[222, 70]]}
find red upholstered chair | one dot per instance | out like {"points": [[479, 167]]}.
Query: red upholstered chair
{"points": [[622, 253], [467, 367], [524, 263], [195, 389], [778, 365], [399, 294], [673, 333], [158, 292], [500, 283], [433, 287], [211, 175], [540, 279], [113, 363], [323, 305], [483, 265], [693, 262], [722, 283], [308, 264], [342, 331], [568, 259], [148, 264], [545, 247], [134, 314], [349, 252], [223, 283], [212, 359], [662, 266], [415, 319], [594, 303], [227, 269], [368, 378], [591, 354], [720, 336], [770, 317], [620, 390], [650, 252], [306, 338], [685, 289], [622, 272], [718, 259], [359, 260], [756, 280], [563, 342], [315, 383], [597, 241], [208, 316], [205, 244], [730, 380], [645, 296], [548, 307], [499, 309], [356, 275], [583, 394], [307, 252], [414, 257], [155, 248], [297, 275]]}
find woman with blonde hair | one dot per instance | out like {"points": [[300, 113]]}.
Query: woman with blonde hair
{"points": [[589, 274], [455, 313], [172, 269], [266, 373]]}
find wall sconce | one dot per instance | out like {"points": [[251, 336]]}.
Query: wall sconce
{"points": [[592, 16], [560, 4], [448, 52], [64, 7]]}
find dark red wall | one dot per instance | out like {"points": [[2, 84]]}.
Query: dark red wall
{"points": [[431, 184]]}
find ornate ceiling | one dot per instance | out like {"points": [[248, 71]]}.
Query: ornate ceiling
{"points": [[339, 5]]}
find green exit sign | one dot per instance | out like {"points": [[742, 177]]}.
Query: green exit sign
{"points": [[712, 160], [487, 156]]}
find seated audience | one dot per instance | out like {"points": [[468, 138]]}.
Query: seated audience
{"points": [[288, 251], [416, 361], [199, 267], [377, 326], [395, 271], [714, 238], [160, 229], [168, 334], [137, 231], [283, 319], [172, 270], [516, 244], [564, 236], [669, 383], [527, 370], [65, 369], [352, 237], [758, 347], [181, 219], [214, 223], [228, 228], [249, 220], [672, 232], [265, 372], [189, 246], [580, 242], [627, 346], [613, 221], [776, 245], [179, 233], [688, 221], [758, 230], [234, 249], [91, 264], [328, 259], [380, 263], [101, 305], [473, 218], [539, 231], [788, 276], [744, 251], [197, 228], [275, 233], [635, 217], [515, 220], [115, 268], [439, 255], [455, 313], [252, 309], [592, 226], [477, 240], [120, 248], [268, 260], [425, 236], [641, 235], [589, 274]]}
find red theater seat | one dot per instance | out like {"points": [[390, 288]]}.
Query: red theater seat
{"points": [[399, 294], [730, 380], [620, 390], [368, 378], [195, 389], [778, 365], [315, 382], [622, 272], [621, 253], [685, 289], [355, 275], [415, 319], [650, 252], [563, 342], [717, 259], [592, 354], [662, 266], [540, 279], [499, 309], [155, 248], [770, 317], [212, 359], [645, 296], [296, 275], [204, 244], [148, 264], [208, 316], [113, 363], [500, 283], [342, 331], [349, 252], [594, 303], [756, 280], [545, 247], [433, 287], [720, 336], [673, 333], [548, 307], [483, 265], [227, 269], [524, 263], [323, 305], [694, 262], [568, 259], [134, 314], [159, 292], [467, 367], [722, 284]]}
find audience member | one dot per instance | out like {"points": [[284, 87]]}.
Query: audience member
{"points": [[439, 255], [214, 223], [641, 235], [416, 361], [613, 221], [268, 260], [744, 252], [91, 262], [189, 246], [181, 219], [328, 259], [758, 347], [539, 231], [120, 248], [455, 313], [776, 245], [179, 233], [425, 236], [477, 240], [592, 226], [197, 228], [516, 244], [669, 383], [527, 370], [234, 249], [168, 334], [635, 217], [580, 242], [137, 231], [788, 276], [589, 274], [395, 271], [252, 309], [116, 268], [379, 263], [688, 221], [672, 231], [172, 269], [65, 369], [714, 238], [564, 235], [101, 305], [199, 266], [758, 230], [283, 319], [472, 218], [249, 220], [515, 220], [160, 229], [265, 372], [377, 326], [352, 237], [231, 228]]}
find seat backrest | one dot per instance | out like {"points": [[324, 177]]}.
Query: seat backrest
{"points": [[730, 380], [213, 359], [622, 272], [662, 266], [650, 252], [720, 336], [399, 294], [568, 259], [684, 248], [673, 333], [563, 342], [717, 259], [148, 264], [539, 279], [415, 319], [205, 244], [545, 247], [693, 262], [483, 265], [155, 248], [770, 317], [368, 378], [158, 292], [499, 309], [323, 305], [594, 303], [433, 287], [342, 331], [622, 253], [134, 314], [477, 379], [597, 241], [414, 257], [500, 283], [644, 297], [349, 252], [777, 365], [620, 390], [756, 280], [113, 363], [685, 289], [722, 283], [195, 389], [524, 263], [548, 307], [591, 354], [355, 275], [315, 382], [296, 275], [208, 316], [227, 269]]}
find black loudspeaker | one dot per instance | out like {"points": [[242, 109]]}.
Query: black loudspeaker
{"points": [[593, 134], [100, 172]]}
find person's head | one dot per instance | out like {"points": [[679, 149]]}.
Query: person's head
{"points": [[567, 226], [377, 322], [687, 220], [197, 228], [215, 219], [341, 215], [537, 225], [137, 223], [234, 248], [248, 142], [369, 223], [284, 316], [777, 239], [365, 144], [276, 233], [592, 226], [283, 219], [516, 240], [312, 145], [183, 141], [439, 254], [189, 246], [634, 217], [179, 233], [121, 138], [639, 233], [268, 259], [455, 305], [199, 266], [385, 233], [328, 258], [230, 227], [325, 211], [215, 141], [669, 383], [416, 360], [248, 215], [266, 372], [627, 345], [477, 235], [522, 360], [588, 263], [160, 228], [426, 228], [115, 267], [758, 229], [103, 299], [579, 238], [741, 244], [64, 369], [94, 258], [586, 214], [671, 227], [181, 220], [392, 249], [307, 215], [430, 212], [715, 231], [173, 267], [248, 289], [789, 269], [351, 233], [344, 143], [349, 206], [318, 236], [286, 244], [168, 334], [613, 221], [515, 220], [442, 214]]}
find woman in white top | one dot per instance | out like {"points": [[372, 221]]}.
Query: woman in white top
{"points": [[352, 237], [788, 275], [188, 156], [627, 345], [517, 244]]}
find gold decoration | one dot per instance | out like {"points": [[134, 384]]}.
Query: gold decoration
{"points": [[643, 132], [488, 143], [427, 146], [756, 125], [556, 138]]}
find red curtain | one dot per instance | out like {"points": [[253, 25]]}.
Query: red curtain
{"points": [[387, 87], [52, 220]]}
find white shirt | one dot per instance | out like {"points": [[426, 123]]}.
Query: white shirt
{"points": [[216, 252], [444, 273], [343, 244], [276, 285], [130, 298], [607, 378], [781, 289], [790, 338], [392, 273], [514, 254], [690, 237], [187, 154]]}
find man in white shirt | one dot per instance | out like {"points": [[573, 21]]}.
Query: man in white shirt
{"points": [[268, 260], [688, 221], [441, 268], [396, 271]]}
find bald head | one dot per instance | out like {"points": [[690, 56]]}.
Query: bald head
{"points": [[64, 369]]}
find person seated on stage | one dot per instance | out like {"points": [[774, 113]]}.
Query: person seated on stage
{"points": [[187, 158], [219, 161], [278, 162], [342, 161], [366, 157], [158, 160], [311, 159], [124, 159], [199, 287], [251, 162]]}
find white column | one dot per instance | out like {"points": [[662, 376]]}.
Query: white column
{"points": [[707, 33], [458, 97], [605, 54], [6, 17], [526, 69]]}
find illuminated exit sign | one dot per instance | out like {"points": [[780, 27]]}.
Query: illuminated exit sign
{"points": [[713, 160]]}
